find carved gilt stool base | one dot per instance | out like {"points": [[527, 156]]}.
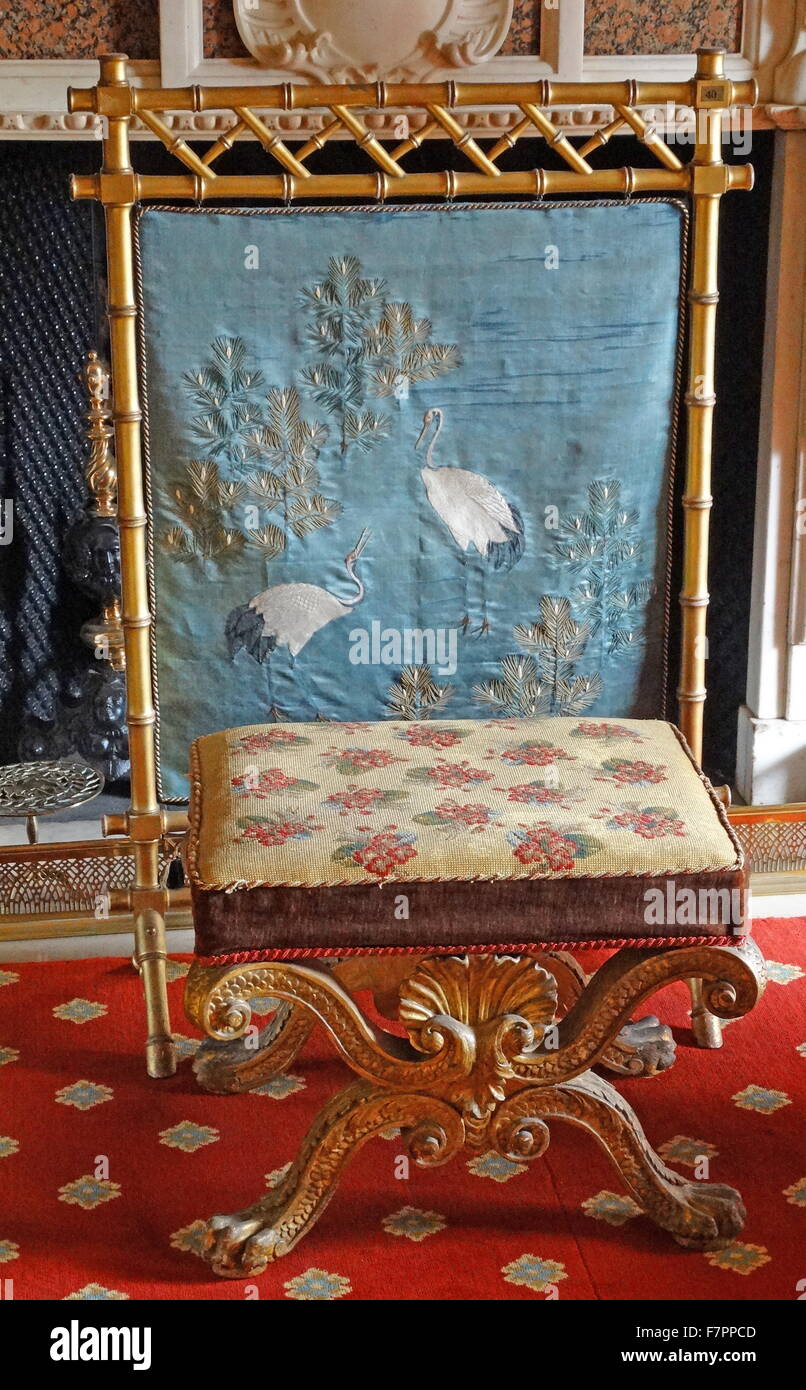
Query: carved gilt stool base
{"points": [[497, 1047]]}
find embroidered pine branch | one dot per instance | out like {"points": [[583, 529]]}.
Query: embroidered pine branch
{"points": [[309, 514], [225, 394], [341, 309], [543, 682], [365, 346], [203, 498], [200, 501], [416, 695], [270, 540], [284, 438], [603, 548], [292, 445], [401, 353], [517, 692]]}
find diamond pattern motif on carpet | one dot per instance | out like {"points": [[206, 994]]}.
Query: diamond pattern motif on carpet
{"points": [[106, 1178]]}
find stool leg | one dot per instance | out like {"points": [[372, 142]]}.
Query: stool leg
{"points": [[643, 1047], [243, 1243], [700, 1216], [706, 1027], [230, 1067], [478, 1026], [150, 957]]}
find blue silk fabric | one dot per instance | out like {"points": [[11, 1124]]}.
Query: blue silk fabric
{"points": [[289, 361]]}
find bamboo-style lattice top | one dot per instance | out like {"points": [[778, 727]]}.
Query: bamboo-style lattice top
{"points": [[347, 112]]}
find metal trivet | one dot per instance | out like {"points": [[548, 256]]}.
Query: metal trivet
{"points": [[38, 789]]}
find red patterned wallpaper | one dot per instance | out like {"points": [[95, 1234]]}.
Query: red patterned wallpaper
{"points": [[78, 28]]}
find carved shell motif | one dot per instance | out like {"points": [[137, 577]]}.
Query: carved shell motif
{"points": [[475, 989]]}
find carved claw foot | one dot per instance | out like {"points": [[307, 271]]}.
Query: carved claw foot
{"points": [[643, 1048], [722, 1211], [240, 1065], [236, 1247]]}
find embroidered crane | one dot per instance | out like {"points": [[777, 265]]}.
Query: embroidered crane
{"points": [[474, 511], [288, 615]]}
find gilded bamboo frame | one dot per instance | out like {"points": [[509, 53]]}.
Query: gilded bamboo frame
{"points": [[120, 189]]}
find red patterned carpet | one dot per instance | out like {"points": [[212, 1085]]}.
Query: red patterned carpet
{"points": [[105, 1177]]}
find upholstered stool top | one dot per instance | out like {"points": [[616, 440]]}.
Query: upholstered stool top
{"points": [[520, 830]]}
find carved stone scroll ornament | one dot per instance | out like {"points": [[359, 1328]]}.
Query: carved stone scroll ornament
{"points": [[487, 1062], [367, 40]]}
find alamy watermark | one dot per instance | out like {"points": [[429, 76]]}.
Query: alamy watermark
{"points": [[682, 125], [77, 1343], [437, 647], [682, 906]]}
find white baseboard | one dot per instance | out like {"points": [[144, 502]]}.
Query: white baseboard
{"points": [[770, 760]]}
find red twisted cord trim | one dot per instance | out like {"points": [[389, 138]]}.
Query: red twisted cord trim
{"points": [[514, 949]]}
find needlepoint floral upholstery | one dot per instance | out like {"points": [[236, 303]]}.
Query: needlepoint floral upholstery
{"points": [[497, 831]]}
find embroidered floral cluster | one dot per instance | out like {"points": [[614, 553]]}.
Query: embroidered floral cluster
{"points": [[276, 737], [546, 850], [431, 735], [536, 754], [589, 728], [651, 822], [631, 773], [350, 761], [268, 782], [379, 853], [272, 831]]}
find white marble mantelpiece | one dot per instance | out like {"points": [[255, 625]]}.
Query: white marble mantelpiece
{"points": [[33, 91]]}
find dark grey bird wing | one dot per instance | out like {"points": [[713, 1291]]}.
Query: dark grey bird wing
{"points": [[507, 553], [244, 628]]}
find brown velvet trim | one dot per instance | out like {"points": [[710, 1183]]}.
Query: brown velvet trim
{"points": [[358, 917]]}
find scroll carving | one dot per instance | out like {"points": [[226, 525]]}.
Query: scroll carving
{"points": [[330, 41], [487, 1063]]}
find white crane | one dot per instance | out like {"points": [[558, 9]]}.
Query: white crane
{"points": [[288, 615], [474, 511]]}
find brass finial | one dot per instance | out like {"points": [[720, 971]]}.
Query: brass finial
{"points": [[100, 471]]}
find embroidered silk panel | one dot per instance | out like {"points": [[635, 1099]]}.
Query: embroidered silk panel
{"points": [[412, 463]]}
